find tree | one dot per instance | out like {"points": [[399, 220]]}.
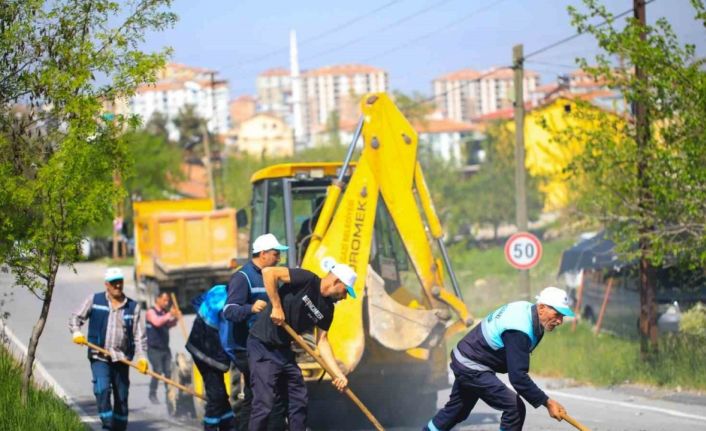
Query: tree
{"points": [[58, 157], [156, 165], [415, 107], [645, 180], [157, 125], [190, 127], [488, 197], [333, 128]]}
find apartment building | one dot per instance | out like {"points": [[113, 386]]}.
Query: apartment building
{"points": [[179, 85], [323, 91], [465, 94], [274, 93]]}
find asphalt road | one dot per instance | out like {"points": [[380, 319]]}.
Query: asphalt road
{"points": [[625, 408]]}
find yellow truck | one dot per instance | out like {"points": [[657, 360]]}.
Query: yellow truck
{"points": [[182, 246], [377, 216]]}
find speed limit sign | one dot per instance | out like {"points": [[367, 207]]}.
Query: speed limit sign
{"points": [[523, 250]]}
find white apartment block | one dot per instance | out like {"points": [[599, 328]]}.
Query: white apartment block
{"points": [[177, 86], [274, 93], [467, 93], [324, 90]]}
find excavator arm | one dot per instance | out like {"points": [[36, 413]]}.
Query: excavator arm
{"points": [[387, 171]]}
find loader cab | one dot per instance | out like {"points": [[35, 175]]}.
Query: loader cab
{"points": [[286, 202]]}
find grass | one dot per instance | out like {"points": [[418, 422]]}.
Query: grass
{"points": [[488, 281], [109, 261], [44, 410], [609, 360]]}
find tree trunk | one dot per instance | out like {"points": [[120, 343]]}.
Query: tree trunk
{"points": [[648, 318], [648, 312], [34, 339]]}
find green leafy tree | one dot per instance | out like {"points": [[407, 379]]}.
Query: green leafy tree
{"points": [[157, 125], [487, 197], [333, 128], [156, 165], [645, 180], [415, 107], [58, 157], [190, 126]]}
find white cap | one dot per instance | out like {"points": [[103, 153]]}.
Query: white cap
{"points": [[112, 274], [344, 273], [267, 242], [557, 299]]}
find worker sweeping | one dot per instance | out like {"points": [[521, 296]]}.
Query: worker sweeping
{"points": [[115, 324], [206, 347], [160, 319], [502, 343], [303, 301]]}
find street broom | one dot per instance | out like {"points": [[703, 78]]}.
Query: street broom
{"points": [[149, 372], [321, 362]]}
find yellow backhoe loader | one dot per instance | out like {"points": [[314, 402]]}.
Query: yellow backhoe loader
{"points": [[377, 216]]}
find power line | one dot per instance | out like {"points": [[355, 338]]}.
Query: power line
{"points": [[574, 36], [548, 63], [379, 30], [321, 35], [433, 32]]}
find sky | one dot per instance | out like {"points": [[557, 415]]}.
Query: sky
{"points": [[413, 40]]}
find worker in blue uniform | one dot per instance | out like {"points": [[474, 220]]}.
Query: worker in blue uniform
{"points": [[205, 344], [246, 298], [502, 343]]}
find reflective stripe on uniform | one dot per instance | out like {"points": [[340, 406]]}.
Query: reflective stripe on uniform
{"points": [[469, 363]]}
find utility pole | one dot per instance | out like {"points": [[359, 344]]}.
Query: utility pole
{"points": [[520, 186], [209, 168], [207, 144], [648, 315]]}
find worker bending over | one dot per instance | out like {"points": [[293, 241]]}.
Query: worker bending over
{"points": [[210, 358], [304, 301], [502, 344]]}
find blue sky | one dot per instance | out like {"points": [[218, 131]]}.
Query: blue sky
{"points": [[414, 40]]}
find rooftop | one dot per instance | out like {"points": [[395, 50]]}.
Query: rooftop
{"points": [[342, 69]]}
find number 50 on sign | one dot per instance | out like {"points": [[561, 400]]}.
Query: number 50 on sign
{"points": [[523, 250]]}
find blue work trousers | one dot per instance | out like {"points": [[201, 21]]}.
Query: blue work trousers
{"points": [[274, 373], [470, 386], [276, 422], [111, 378], [218, 415]]}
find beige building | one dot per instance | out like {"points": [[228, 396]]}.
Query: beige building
{"points": [[467, 93], [241, 108], [265, 134]]}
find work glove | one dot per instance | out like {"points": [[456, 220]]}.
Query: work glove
{"points": [[142, 365], [79, 338]]}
